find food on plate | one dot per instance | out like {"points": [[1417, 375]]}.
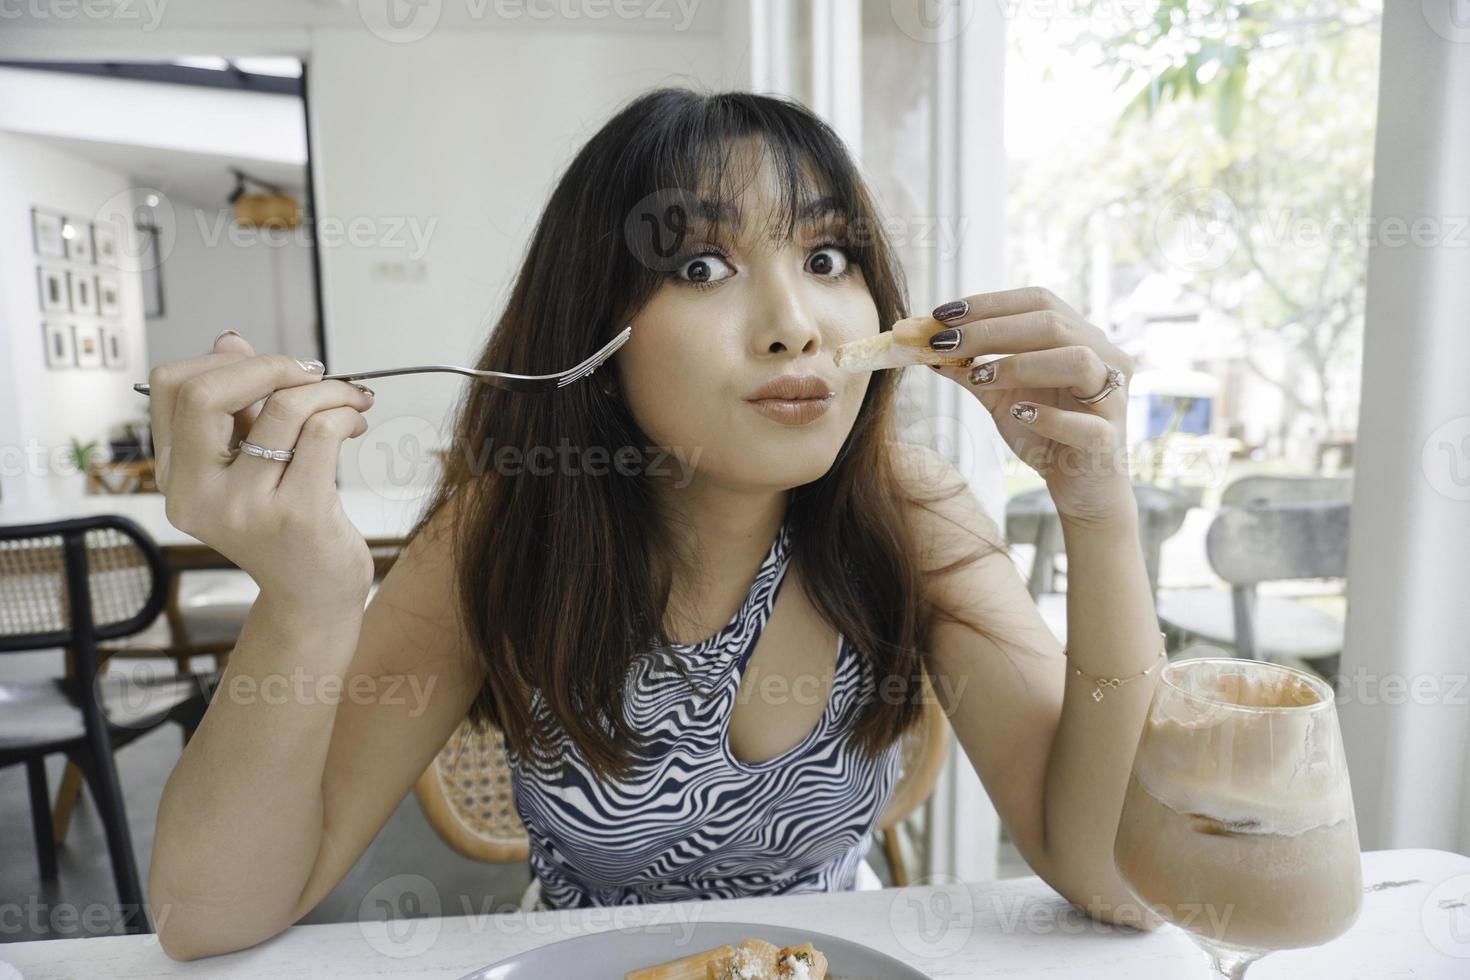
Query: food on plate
{"points": [[802, 962], [693, 967], [753, 959], [900, 347]]}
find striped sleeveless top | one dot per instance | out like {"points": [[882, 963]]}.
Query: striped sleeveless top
{"points": [[692, 821]]}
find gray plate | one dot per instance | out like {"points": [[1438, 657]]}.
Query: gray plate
{"points": [[609, 955]]}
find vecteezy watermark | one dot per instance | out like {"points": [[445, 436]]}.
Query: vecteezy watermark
{"points": [[1450, 19], [141, 224], [146, 15], [932, 21], [399, 455], [1446, 459], [59, 920], [408, 234], [135, 700], [1196, 230], [809, 689], [406, 21], [933, 917], [1362, 686], [399, 918], [1445, 916], [658, 228], [1199, 229], [1023, 913]]}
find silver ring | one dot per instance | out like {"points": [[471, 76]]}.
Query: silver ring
{"points": [[1115, 381], [251, 449]]}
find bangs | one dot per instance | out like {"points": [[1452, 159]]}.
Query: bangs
{"points": [[808, 197], [703, 152]]}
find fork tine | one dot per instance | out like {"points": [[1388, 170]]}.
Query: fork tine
{"points": [[596, 360]]}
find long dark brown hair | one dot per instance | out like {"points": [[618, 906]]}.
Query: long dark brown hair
{"points": [[563, 578]]}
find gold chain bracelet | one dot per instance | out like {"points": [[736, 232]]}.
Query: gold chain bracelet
{"points": [[1113, 683]]}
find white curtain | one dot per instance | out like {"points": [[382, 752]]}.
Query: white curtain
{"points": [[1404, 710]]}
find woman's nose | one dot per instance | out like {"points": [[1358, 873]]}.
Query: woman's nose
{"points": [[787, 323]]}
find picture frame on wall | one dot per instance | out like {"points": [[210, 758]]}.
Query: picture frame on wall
{"points": [[88, 338], [104, 244], [61, 349], [151, 265], [46, 237], [108, 300], [78, 235], [83, 291], [114, 349], [53, 290]]}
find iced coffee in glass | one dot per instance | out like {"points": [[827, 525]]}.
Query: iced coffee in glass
{"points": [[1238, 821]]}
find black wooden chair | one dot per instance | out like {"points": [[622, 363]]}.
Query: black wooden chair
{"points": [[70, 584], [1259, 542]]}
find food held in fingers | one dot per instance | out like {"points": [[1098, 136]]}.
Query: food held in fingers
{"points": [[902, 346]]}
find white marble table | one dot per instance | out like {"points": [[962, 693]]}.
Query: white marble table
{"points": [[1415, 923]]}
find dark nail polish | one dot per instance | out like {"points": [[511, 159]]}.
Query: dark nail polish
{"points": [[949, 311], [946, 339]]}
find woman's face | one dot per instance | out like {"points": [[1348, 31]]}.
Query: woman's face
{"points": [[723, 325]]}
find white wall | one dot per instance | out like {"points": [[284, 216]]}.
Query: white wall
{"points": [[40, 410]]}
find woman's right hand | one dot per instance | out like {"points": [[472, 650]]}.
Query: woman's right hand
{"points": [[282, 522]]}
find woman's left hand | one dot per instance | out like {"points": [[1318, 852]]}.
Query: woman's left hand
{"points": [[1054, 359]]}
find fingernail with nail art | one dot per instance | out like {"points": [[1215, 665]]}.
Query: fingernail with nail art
{"points": [[946, 339], [951, 311], [1024, 412], [226, 333], [982, 374], [311, 365], [366, 390]]}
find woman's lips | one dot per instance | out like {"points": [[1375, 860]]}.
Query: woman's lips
{"points": [[787, 411]]}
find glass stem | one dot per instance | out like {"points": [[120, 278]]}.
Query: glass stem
{"points": [[1231, 965]]}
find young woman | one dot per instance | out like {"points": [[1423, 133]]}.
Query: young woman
{"points": [[702, 668]]}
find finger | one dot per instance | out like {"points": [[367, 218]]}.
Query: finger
{"points": [[164, 382], [205, 406], [314, 467], [1005, 302], [1080, 430], [1011, 334], [1079, 370], [280, 421], [231, 342]]}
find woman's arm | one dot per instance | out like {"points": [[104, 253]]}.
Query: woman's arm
{"points": [[1054, 762], [321, 725], [326, 714]]}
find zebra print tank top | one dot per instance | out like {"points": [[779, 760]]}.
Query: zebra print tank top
{"points": [[692, 821]]}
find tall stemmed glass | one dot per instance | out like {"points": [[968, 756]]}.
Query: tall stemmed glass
{"points": [[1238, 822]]}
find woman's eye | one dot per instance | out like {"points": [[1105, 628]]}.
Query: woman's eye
{"points": [[829, 261], [704, 269]]}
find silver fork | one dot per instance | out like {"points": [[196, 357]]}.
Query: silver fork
{"points": [[501, 379]]}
